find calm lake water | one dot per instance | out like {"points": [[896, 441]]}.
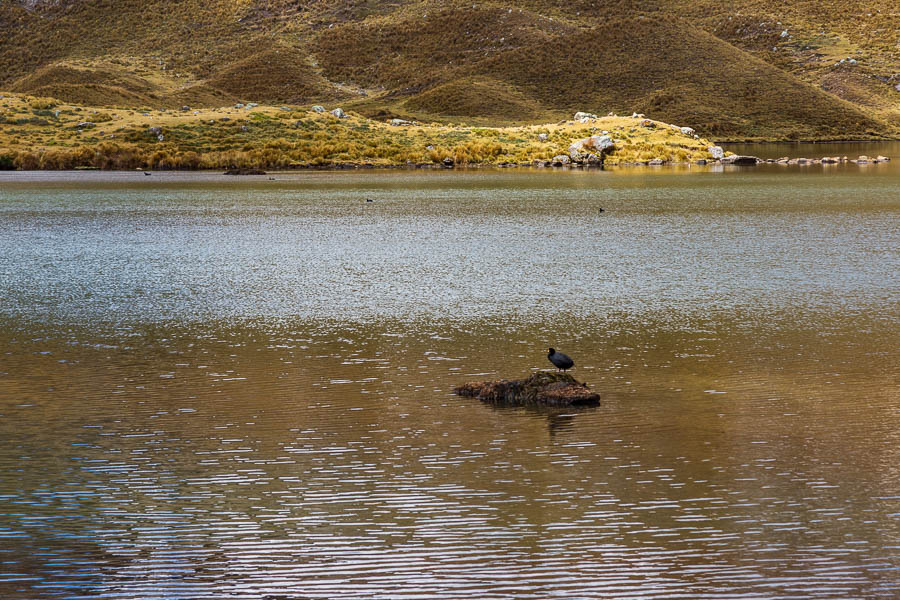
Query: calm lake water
{"points": [[241, 388]]}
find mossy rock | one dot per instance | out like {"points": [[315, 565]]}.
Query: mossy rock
{"points": [[544, 387]]}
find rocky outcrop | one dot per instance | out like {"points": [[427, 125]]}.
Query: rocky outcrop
{"points": [[717, 152], [339, 113], [545, 387], [590, 149], [317, 108]]}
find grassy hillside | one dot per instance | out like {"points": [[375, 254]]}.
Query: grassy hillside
{"points": [[38, 133], [728, 75], [810, 38]]}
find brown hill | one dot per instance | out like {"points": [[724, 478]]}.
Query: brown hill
{"points": [[279, 74], [730, 75]]}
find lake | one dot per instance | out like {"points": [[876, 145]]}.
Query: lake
{"points": [[241, 388]]}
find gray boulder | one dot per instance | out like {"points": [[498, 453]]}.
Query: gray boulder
{"points": [[742, 161], [339, 113], [560, 159], [542, 137], [318, 109], [584, 117], [687, 131], [717, 152], [595, 146]]}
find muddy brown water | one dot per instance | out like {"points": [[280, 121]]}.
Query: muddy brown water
{"points": [[241, 388]]}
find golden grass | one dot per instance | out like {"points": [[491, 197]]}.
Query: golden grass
{"points": [[64, 136]]}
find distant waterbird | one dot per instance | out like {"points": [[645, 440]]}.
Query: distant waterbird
{"points": [[560, 360], [369, 200]]}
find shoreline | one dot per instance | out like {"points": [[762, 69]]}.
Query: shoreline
{"points": [[355, 168], [46, 134]]}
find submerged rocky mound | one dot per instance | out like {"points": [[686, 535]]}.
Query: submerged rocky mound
{"points": [[544, 387]]}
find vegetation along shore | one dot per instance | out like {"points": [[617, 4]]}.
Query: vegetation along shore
{"points": [[44, 133]]}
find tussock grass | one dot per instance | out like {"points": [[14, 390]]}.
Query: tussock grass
{"points": [[270, 137]]}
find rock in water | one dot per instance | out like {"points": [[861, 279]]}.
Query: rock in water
{"points": [[244, 171], [742, 161], [544, 387]]}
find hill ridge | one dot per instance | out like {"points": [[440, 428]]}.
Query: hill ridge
{"points": [[435, 59]]}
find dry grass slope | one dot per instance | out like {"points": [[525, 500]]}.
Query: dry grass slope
{"points": [[475, 98], [730, 74], [279, 74]]}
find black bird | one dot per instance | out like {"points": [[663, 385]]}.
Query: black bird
{"points": [[147, 174], [560, 360], [368, 200]]}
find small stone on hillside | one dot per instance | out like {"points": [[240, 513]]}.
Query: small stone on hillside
{"points": [[339, 113], [542, 137], [318, 109]]}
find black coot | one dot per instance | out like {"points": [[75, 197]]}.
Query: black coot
{"points": [[560, 360]]}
